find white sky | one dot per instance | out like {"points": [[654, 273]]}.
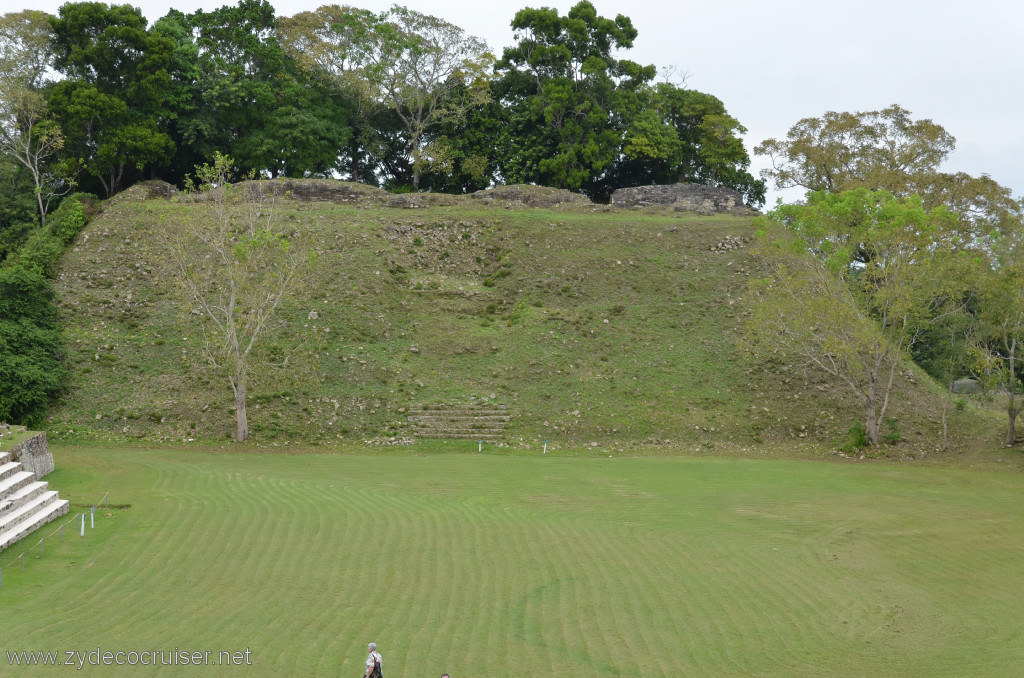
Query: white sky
{"points": [[958, 62]]}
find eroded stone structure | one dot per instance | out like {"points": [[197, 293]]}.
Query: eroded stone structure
{"points": [[683, 198]]}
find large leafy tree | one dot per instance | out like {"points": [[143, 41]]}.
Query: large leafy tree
{"points": [[853, 320], [431, 73], [885, 150], [561, 86], [576, 116], [238, 93], [682, 135], [333, 46], [999, 355], [111, 106]]}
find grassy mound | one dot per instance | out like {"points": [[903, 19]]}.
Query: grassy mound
{"points": [[591, 326]]}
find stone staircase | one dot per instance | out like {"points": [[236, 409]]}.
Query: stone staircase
{"points": [[476, 422], [26, 504]]}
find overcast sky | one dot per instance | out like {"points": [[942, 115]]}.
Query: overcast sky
{"points": [[958, 62]]}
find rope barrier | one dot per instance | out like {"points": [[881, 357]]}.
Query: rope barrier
{"points": [[104, 499]]}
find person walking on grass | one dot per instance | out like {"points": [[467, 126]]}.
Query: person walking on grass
{"points": [[374, 663]]}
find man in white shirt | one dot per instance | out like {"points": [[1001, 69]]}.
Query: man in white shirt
{"points": [[374, 663]]}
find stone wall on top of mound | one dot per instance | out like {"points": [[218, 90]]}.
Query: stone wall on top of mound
{"points": [[696, 198]]}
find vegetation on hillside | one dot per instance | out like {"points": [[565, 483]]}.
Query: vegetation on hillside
{"points": [[95, 97], [591, 325]]}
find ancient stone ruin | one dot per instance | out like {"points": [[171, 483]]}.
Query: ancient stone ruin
{"points": [[695, 198], [26, 502]]}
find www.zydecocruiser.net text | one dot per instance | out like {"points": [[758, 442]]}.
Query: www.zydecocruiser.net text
{"points": [[100, 657]]}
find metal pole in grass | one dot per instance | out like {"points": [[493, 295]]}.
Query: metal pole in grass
{"points": [[479, 446], [92, 518], [83, 523], [545, 447], [62, 533]]}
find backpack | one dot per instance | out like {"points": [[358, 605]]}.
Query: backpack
{"points": [[377, 672]]}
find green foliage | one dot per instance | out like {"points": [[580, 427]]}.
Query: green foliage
{"points": [[112, 104], [578, 117], [885, 150], [32, 368], [856, 438], [71, 217], [18, 214], [852, 277], [892, 433]]}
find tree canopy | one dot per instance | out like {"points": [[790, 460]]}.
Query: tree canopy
{"points": [[885, 150]]}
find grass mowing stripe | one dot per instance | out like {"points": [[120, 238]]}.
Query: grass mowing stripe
{"points": [[490, 563]]}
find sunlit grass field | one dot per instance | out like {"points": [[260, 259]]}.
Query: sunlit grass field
{"points": [[492, 566]]}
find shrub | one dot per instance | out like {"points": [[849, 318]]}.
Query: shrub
{"points": [[892, 434], [32, 368], [856, 437], [71, 217]]}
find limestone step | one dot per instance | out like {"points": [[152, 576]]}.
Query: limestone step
{"points": [[23, 496], [461, 429], [454, 417], [460, 410], [33, 520], [458, 436], [14, 517], [14, 483], [8, 469]]}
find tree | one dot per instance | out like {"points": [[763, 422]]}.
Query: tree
{"points": [[335, 46], [999, 358], [884, 150], [682, 135], [111, 106], [29, 135], [26, 47], [236, 267], [27, 131], [853, 320], [236, 92], [430, 71], [562, 88]]}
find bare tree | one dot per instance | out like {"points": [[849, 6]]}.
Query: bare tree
{"points": [[235, 267], [430, 71], [27, 133]]}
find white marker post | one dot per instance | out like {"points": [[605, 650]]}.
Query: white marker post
{"points": [[83, 523], [92, 518], [479, 446], [545, 447]]}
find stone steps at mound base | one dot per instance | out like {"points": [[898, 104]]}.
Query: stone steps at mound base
{"points": [[26, 504], [31, 522], [459, 422], [21, 496]]}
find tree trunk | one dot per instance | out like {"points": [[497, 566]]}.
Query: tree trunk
{"points": [[871, 420], [415, 164], [42, 207], [1012, 410], [945, 421], [1011, 430], [242, 419]]}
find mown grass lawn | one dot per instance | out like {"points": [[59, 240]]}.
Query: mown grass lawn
{"points": [[496, 566]]}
